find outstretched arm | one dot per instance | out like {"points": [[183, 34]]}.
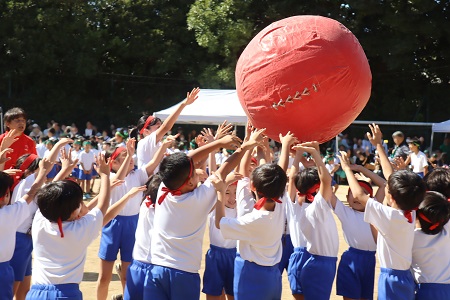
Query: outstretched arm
{"points": [[292, 189], [286, 142], [375, 139], [357, 190]]}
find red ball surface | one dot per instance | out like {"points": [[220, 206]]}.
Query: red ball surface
{"points": [[304, 74]]}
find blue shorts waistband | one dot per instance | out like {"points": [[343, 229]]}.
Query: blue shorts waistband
{"points": [[173, 269], [363, 252], [127, 217], [232, 250], [239, 258], [445, 286], [395, 272], [23, 234], [5, 263], [324, 258], [54, 287], [141, 264], [298, 249]]}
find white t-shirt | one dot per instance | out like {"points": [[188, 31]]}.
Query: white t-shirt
{"points": [[19, 191], [40, 150], [11, 216], [430, 258], [61, 260], [244, 197], [418, 161], [179, 226], [144, 232], [136, 178], [75, 154], [294, 211], [87, 159], [258, 233], [319, 228], [215, 235], [357, 233], [146, 149], [395, 235]]}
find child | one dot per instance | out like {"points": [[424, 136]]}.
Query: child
{"points": [[86, 159], [76, 151], [50, 144], [180, 220], [430, 259], [119, 233], [11, 217], [16, 121], [318, 226], [417, 158], [58, 229], [140, 266], [219, 260], [151, 130], [439, 181], [256, 272], [356, 270], [332, 167], [395, 224]]}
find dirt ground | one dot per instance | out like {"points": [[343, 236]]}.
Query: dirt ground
{"points": [[93, 262]]}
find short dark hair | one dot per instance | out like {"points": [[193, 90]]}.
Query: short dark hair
{"points": [[152, 184], [141, 122], [174, 170], [407, 189], [6, 183], [59, 199], [306, 179], [269, 180], [436, 209], [14, 113], [31, 168], [439, 181]]}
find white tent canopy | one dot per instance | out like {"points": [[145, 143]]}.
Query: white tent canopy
{"points": [[211, 108], [439, 127]]}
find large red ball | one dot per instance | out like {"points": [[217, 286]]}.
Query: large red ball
{"points": [[304, 74]]}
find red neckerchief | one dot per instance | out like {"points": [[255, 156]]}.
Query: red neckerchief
{"points": [[176, 192], [309, 193], [260, 203], [148, 202], [60, 227], [423, 217], [408, 214]]}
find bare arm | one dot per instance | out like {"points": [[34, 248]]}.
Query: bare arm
{"points": [[377, 180], [286, 142], [115, 209], [375, 139], [45, 165], [202, 153], [123, 170], [105, 188], [168, 123], [357, 190], [292, 189], [159, 155], [67, 165]]}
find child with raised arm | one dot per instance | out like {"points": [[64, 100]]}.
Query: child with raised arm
{"points": [[152, 130], [356, 270], [61, 237], [180, 220], [395, 224], [11, 217], [119, 233], [430, 259], [318, 226]]}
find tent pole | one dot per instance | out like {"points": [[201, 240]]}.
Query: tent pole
{"points": [[431, 142]]}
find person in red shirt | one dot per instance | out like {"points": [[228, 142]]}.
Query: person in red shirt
{"points": [[16, 118]]}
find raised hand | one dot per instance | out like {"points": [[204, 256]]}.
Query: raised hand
{"points": [[345, 161], [103, 165], [289, 139], [3, 155], [231, 142], [10, 138], [192, 96], [66, 159], [257, 137], [130, 145], [375, 135], [218, 184], [207, 135], [223, 130]]}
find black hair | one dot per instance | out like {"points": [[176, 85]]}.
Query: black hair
{"points": [[153, 183], [407, 189], [59, 199], [31, 168], [109, 153], [52, 130], [141, 122], [6, 183], [14, 113], [269, 181], [436, 209], [306, 179], [174, 170], [439, 181]]}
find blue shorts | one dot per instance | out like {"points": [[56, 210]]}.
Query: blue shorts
{"points": [[75, 172], [6, 281], [83, 176], [54, 171], [94, 173], [118, 234], [252, 281], [296, 263], [421, 174], [219, 271], [288, 249], [21, 260], [435, 291], [69, 291], [171, 284], [356, 274], [136, 274], [395, 284], [317, 277]]}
